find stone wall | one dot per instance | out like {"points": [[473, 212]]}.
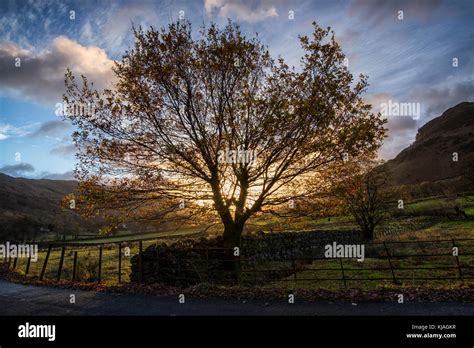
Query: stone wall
{"points": [[265, 246], [190, 262]]}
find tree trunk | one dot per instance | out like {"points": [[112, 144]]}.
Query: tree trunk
{"points": [[233, 238], [369, 232], [233, 235]]}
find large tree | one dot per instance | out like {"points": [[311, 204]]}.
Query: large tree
{"points": [[214, 125]]}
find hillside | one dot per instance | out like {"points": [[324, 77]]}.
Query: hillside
{"points": [[28, 205], [28, 196], [30, 208], [430, 157]]}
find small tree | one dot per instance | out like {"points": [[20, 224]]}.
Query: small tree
{"points": [[367, 196], [215, 128]]}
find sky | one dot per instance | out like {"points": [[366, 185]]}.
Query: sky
{"points": [[415, 52]]}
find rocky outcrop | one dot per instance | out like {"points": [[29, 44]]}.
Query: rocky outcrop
{"points": [[430, 157]]}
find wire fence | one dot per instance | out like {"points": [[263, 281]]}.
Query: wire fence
{"points": [[394, 262]]}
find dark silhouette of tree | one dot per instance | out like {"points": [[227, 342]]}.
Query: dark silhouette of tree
{"points": [[368, 195], [214, 128]]}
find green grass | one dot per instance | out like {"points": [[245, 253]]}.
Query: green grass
{"points": [[297, 224], [437, 204], [469, 211], [140, 236], [373, 268], [357, 274], [315, 275], [438, 231], [432, 202]]}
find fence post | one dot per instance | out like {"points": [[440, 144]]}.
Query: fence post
{"points": [[100, 265], [14, 263], [239, 266], [140, 261], [390, 263], [179, 269], [45, 262], [207, 264], [158, 266], [28, 265], [343, 275], [120, 263], [254, 271], [294, 266], [74, 265], [61, 260], [457, 260]]}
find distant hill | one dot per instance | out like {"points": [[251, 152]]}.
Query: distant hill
{"points": [[29, 196], [430, 157], [30, 208], [29, 205]]}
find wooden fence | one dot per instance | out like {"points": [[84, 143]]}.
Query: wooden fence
{"points": [[448, 259]]}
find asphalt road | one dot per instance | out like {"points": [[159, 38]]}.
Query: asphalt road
{"points": [[18, 299]]}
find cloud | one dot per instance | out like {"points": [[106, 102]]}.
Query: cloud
{"points": [[116, 33], [395, 143], [400, 124], [349, 35], [58, 176], [395, 123], [9, 131], [64, 147], [64, 150], [401, 129], [247, 11], [51, 128], [444, 96], [87, 33], [434, 101], [41, 75], [381, 12], [17, 169]]}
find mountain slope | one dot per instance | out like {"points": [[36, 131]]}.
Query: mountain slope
{"points": [[26, 205], [430, 157], [30, 196]]}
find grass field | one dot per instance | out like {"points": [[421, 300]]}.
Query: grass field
{"points": [[376, 272], [430, 203], [186, 232]]}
